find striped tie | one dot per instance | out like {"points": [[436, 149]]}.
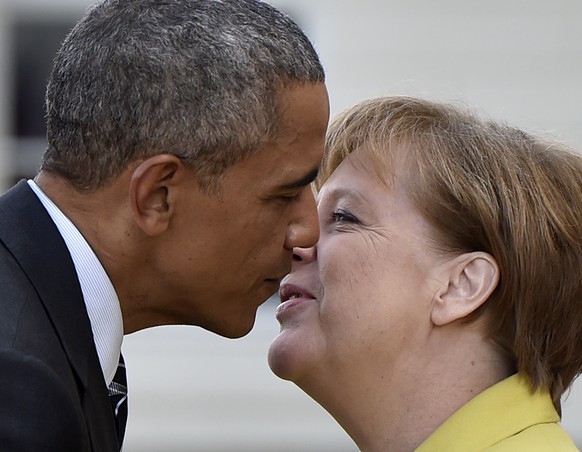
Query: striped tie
{"points": [[118, 397]]}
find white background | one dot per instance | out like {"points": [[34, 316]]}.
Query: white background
{"points": [[516, 60]]}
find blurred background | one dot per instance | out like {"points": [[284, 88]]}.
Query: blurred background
{"points": [[516, 60]]}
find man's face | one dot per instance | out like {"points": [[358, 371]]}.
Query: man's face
{"points": [[228, 251]]}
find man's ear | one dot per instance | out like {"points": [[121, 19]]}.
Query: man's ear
{"points": [[151, 192], [469, 281]]}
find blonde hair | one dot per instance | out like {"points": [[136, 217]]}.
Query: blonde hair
{"points": [[486, 186]]}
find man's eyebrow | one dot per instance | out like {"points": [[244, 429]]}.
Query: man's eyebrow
{"points": [[305, 180]]}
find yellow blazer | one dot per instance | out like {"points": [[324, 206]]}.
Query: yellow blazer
{"points": [[507, 417]]}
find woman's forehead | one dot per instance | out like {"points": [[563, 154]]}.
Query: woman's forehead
{"points": [[365, 164]]}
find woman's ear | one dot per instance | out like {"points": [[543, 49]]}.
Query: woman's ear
{"points": [[469, 281], [151, 192]]}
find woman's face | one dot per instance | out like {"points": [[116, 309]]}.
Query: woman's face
{"points": [[362, 297]]}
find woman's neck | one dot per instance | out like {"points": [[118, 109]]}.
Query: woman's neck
{"points": [[395, 409]]}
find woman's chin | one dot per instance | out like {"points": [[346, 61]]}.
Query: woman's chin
{"points": [[289, 357], [280, 358]]}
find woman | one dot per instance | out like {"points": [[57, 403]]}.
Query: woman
{"points": [[442, 307]]}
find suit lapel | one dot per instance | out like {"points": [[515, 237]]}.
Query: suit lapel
{"points": [[31, 236]]}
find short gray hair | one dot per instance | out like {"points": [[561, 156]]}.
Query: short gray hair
{"points": [[199, 79]]}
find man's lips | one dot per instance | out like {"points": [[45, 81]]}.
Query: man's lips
{"points": [[278, 279]]}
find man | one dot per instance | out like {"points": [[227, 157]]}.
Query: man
{"points": [[182, 139]]}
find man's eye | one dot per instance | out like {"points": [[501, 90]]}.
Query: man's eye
{"points": [[289, 198]]}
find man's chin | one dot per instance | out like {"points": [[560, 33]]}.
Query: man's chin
{"points": [[235, 329]]}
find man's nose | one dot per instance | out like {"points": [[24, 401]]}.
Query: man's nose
{"points": [[303, 230]]}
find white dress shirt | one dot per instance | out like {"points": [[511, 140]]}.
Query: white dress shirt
{"points": [[99, 294]]}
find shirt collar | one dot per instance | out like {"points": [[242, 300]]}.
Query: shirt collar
{"points": [[99, 294]]}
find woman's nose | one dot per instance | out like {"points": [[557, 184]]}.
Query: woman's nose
{"points": [[304, 255]]}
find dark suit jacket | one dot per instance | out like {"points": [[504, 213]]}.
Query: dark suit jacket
{"points": [[52, 393]]}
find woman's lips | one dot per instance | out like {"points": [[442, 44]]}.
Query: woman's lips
{"points": [[291, 295]]}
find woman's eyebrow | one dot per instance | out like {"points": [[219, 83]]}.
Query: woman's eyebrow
{"points": [[338, 194]]}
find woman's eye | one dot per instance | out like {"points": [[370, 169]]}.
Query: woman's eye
{"points": [[341, 216]]}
